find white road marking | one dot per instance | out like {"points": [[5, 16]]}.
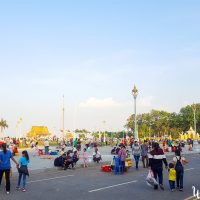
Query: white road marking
{"points": [[48, 179], [112, 186], [189, 169], [190, 198]]}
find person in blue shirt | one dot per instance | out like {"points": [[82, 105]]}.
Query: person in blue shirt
{"points": [[5, 166], [23, 170]]}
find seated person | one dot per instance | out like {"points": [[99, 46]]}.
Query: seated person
{"points": [[113, 151], [62, 151], [75, 157], [67, 161], [96, 156], [59, 161]]}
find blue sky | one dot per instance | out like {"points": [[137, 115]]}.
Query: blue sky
{"points": [[94, 52]]}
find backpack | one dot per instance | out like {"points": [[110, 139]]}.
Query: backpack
{"points": [[179, 166]]}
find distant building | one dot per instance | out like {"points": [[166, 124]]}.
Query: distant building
{"points": [[38, 131]]}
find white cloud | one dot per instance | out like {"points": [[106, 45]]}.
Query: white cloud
{"points": [[99, 103]]}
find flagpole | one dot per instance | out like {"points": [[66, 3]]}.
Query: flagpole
{"points": [[63, 122]]}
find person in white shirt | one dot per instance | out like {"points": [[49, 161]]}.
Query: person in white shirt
{"points": [[96, 156], [46, 146]]}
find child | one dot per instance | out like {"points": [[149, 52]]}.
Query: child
{"points": [[172, 176], [23, 170], [179, 161], [85, 158]]}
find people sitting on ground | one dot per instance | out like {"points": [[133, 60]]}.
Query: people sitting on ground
{"points": [[68, 161], [75, 157], [96, 156]]}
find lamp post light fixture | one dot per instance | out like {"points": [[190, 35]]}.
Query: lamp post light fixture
{"points": [[135, 94], [195, 143]]}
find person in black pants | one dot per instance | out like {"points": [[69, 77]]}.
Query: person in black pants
{"points": [[5, 165], [156, 159], [179, 161]]}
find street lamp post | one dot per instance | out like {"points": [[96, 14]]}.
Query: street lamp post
{"points": [[135, 94], [195, 143], [104, 131], [63, 118], [19, 128]]}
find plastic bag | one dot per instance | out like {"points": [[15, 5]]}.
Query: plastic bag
{"points": [[150, 180]]}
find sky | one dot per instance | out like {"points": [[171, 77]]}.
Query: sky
{"points": [[94, 52]]}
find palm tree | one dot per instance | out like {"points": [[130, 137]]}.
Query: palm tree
{"points": [[3, 125]]}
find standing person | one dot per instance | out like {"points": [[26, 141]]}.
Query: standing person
{"points": [[85, 158], [179, 161], [136, 151], [144, 154], [5, 166], [122, 156], [172, 176], [156, 160], [23, 170], [75, 143], [46, 146]]}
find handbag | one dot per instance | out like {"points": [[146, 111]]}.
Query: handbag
{"points": [[150, 180], [23, 170]]}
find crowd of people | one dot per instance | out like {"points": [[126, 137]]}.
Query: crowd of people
{"points": [[153, 157], [149, 152]]}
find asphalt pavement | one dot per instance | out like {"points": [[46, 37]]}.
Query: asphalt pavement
{"points": [[92, 184]]}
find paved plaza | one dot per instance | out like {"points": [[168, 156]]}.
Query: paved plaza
{"points": [[91, 184], [40, 163]]}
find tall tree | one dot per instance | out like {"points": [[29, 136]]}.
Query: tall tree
{"points": [[160, 123], [3, 125]]}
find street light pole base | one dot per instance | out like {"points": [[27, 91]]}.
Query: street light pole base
{"points": [[196, 146]]}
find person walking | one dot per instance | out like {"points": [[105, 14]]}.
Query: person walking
{"points": [[144, 154], [122, 156], [156, 160], [172, 177], [5, 165], [179, 161], [23, 170], [136, 151]]}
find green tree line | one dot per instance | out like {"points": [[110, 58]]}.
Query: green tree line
{"points": [[160, 123]]}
